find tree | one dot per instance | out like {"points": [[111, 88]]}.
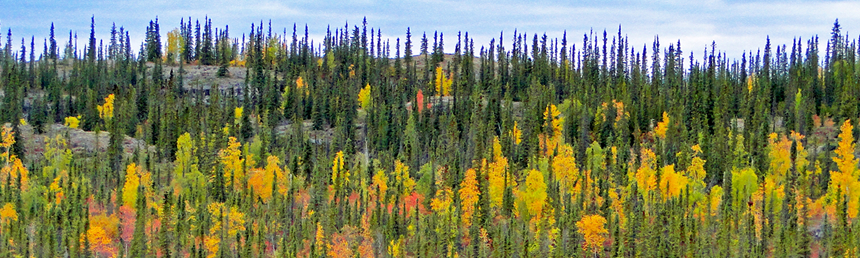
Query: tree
{"points": [[469, 194], [129, 189], [443, 84], [844, 184], [593, 231], [364, 97], [175, 43], [533, 196], [233, 162]]}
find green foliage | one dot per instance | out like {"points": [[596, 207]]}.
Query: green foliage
{"points": [[530, 148]]}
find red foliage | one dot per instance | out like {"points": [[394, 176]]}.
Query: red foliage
{"points": [[415, 200], [127, 217], [419, 99]]}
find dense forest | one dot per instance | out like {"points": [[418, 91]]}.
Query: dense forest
{"points": [[203, 143]]}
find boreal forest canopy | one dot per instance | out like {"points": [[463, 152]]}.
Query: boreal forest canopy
{"points": [[262, 142]]}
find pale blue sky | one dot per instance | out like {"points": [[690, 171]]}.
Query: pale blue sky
{"points": [[734, 25]]}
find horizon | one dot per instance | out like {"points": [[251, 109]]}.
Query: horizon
{"points": [[696, 28]]}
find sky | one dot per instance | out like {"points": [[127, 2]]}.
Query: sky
{"points": [[733, 25]]}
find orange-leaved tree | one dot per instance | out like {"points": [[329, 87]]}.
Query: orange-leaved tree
{"points": [[593, 230]]}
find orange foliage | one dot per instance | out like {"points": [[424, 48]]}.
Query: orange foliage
{"points": [[662, 126], [8, 213], [593, 231], [103, 229]]}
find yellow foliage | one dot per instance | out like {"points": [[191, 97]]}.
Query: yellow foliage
{"points": [[780, 155], [260, 182], [364, 98], [744, 183], [517, 134], [8, 213], [496, 172], [846, 179], [394, 247], [300, 83], [237, 115], [184, 155], [662, 126], [103, 229], [443, 84], [671, 182], [845, 159], [231, 158], [564, 166], [646, 176], [175, 41], [442, 201], [402, 178], [235, 221], [129, 189], [380, 182], [469, 196], [800, 160], [534, 195], [319, 238], [750, 81], [14, 169], [339, 174], [553, 123], [212, 244], [72, 122], [593, 230], [716, 197], [106, 110]]}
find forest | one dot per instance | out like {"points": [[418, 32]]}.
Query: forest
{"points": [[262, 143]]}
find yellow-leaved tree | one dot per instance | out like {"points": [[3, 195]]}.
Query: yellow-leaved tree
{"points": [[443, 84], [129, 189], [593, 230], [496, 173], [662, 126], [845, 181], [564, 166], [552, 130], [671, 183], [262, 181], [533, 197], [339, 173], [516, 134], [8, 213], [380, 184], [72, 121], [175, 41], [404, 182], [469, 195], [231, 158], [106, 110], [12, 168], [364, 98], [646, 174]]}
